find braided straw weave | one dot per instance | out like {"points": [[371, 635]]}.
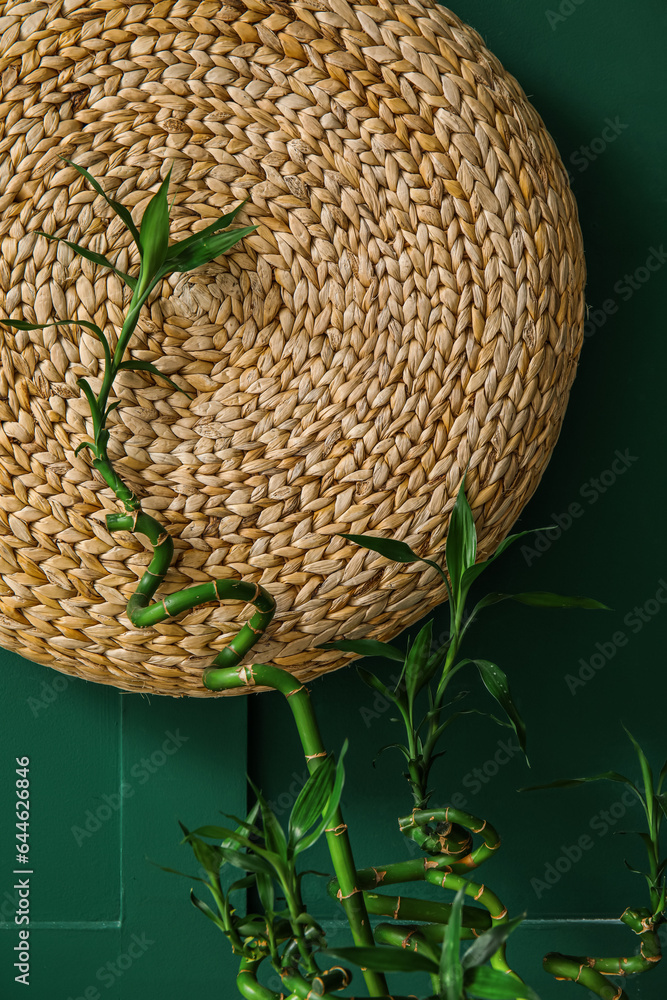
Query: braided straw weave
{"points": [[411, 302]]}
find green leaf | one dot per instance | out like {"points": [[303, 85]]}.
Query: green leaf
{"points": [[329, 809], [496, 684], [395, 550], [451, 970], [96, 258], [266, 893], [647, 775], [490, 984], [205, 250], [92, 402], [394, 746], [461, 547], [246, 862], [274, 834], [177, 250], [390, 548], [365, 647], [111, 408], [175, 871], [154, 234], [541, 599], [384, 959], [146, 366], [243, 883], [488, 943], [209, 857], [311, 800], [573, 782], [84, 444], [419, 667], [234, 836], [207, 911], [119, 209]]}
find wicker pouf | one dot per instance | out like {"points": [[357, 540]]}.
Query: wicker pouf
{"points": [[411, 303]]}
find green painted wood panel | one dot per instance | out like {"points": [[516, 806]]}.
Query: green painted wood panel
{"points": [[110, 776], [596, 74]]}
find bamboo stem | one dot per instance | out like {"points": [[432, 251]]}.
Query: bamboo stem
{"points": [[298, 699], [590, 972]]}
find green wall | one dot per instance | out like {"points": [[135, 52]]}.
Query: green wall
{"points": [[107, 923]]}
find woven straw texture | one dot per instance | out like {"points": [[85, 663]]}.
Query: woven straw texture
{"points": [[411, 302]]}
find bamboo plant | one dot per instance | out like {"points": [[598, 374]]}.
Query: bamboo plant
{"points": [[284, 935], [645, 921]]}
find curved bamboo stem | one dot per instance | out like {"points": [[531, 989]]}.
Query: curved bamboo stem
{"points": [[590, 972], [298, 699]]}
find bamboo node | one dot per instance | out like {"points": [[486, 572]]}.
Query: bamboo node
{"points": [[314, 756], [296, 691], [337, 830]]}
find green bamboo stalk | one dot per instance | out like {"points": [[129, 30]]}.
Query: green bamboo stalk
{"points": [[448, 842], [247, 984], [590, 972], [219, 676]]}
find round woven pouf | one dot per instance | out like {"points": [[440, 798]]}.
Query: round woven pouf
{"points": [[410, 304]]}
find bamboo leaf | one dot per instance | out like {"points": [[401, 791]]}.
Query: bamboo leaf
{"points": [[541, 599], [96, 258], [496, 684], [487, 943], [21, 324], [395, 550], [236, 837], [146, 366], [365, 647], [174, 871], [451, 970], [662, 776], [242, 883], [393, 746], [154, 233], [246, 862], [461, 547], [204, 250], [209, 857], [390, 548], [384, 959], [647, 775], [274, 834], [419, 667], [178, 249], [92, 402], [373, 682], [207, 911], [266, 893], [311, 800], [574, 782], [111, 408], [329, 808], [84, 444], [119, 209], [490, 984]]}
